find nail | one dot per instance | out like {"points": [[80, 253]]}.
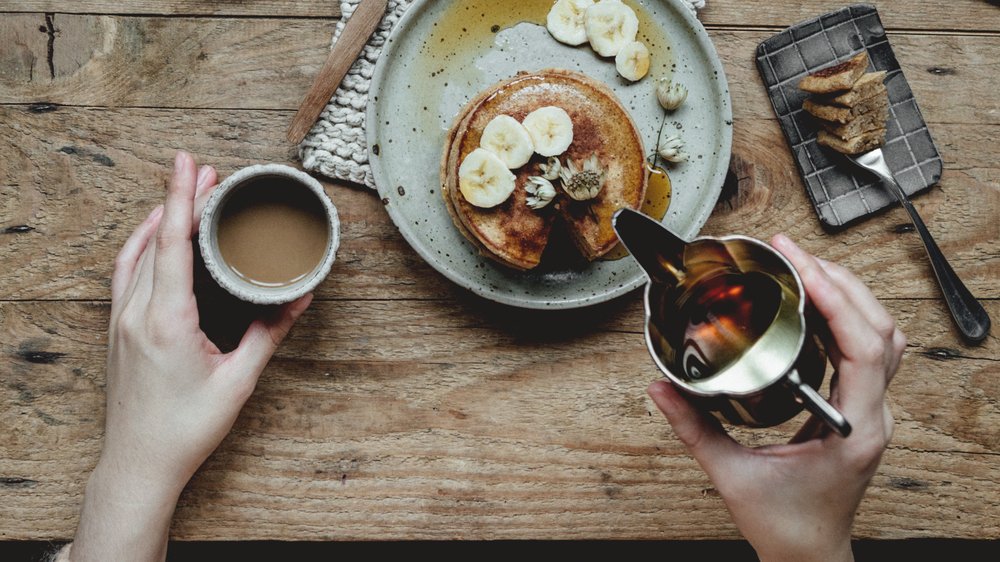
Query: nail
{"points": [[202, 175], [180, 160]]}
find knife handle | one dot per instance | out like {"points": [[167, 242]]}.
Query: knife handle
{"points": [[356, 33]]}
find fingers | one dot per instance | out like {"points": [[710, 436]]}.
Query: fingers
{"points": [[129, 261], [172, 282], [207, 182], [863, 361], [872, 309], [206, 178], [128, 257], [862, 297], [707, 442], [263, 337]]}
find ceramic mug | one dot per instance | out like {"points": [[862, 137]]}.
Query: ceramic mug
{"points": [[266, 176]]}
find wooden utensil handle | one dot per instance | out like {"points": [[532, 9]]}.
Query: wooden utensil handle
{"points": [[356, 33]]}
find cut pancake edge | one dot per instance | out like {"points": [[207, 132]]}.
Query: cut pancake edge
{"points": [[623, 151]]}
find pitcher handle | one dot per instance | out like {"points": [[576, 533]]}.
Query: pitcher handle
{"points": [[817, 405]]}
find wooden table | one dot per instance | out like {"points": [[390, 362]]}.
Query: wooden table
{"points": [[402, 407]]}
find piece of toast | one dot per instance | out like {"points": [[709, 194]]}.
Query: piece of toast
{"points": [[855, 145], [841, 76], [867, 86], [860, 124], [843, 115]]}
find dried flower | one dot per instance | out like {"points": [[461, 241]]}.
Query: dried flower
{"points": [[550, 170], [583, 183], [540, 192], [670, 94], [670, 149]]}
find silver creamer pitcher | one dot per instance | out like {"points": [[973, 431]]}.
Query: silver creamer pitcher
{"points": [[728, 323]]}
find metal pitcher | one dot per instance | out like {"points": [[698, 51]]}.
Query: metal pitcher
{"points": [[728, 323]]}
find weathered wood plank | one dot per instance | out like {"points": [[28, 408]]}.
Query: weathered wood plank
{"points": [[266, 8], [251, 63], [896, 14], [161, 62], [462, 419], [77, 181]]}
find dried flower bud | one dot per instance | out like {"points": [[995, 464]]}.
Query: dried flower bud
{"points": [[670, 149], [670, 94], [540, 192], [550, 170]]}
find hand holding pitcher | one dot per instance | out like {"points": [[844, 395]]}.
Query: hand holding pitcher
{"points": [[797, 501]]}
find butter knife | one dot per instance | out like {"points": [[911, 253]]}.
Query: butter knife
{"points": [[356, 32]]}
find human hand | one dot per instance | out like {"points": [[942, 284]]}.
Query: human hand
{"points": [[797, 501], [172, 396]]}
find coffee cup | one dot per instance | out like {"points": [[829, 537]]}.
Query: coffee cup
{"points": [[269, 234]]}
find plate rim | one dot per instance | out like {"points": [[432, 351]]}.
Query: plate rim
{"points": [[714, 186]]}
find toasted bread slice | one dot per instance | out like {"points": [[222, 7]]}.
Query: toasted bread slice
{"points": [[514, 234], [860, 124], [841, 76], [855, 145], [843, 115], [867, 86]]}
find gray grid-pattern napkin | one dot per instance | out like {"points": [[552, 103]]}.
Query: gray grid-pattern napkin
{"points": [[336, 147]]}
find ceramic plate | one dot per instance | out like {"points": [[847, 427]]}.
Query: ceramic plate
{"points": [[442, 53]]}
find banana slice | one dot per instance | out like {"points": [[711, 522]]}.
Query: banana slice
{"points": [[565, 21], [632, 61], [551, 130], [610, 25], [484, 179], [508, 139]]}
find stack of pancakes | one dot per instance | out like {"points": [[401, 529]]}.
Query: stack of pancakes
{"points": [[514, 234], [851, 105]]}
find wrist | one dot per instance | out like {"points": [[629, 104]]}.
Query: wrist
{"points": [[131, 470], [125, 515], [118, 481]]}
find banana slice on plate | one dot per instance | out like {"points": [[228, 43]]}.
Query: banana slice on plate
{"points": [[484, 179], [551, 130], [507, 138], [632, 61], [610, 25], [565, 21]]}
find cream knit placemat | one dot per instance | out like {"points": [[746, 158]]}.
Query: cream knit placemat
{"points": [[335, 147]]}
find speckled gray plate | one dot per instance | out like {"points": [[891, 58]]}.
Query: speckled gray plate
{"points": [[442, 53]]}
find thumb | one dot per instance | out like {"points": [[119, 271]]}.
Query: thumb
{"points": [[704, 438], [265, 334]]}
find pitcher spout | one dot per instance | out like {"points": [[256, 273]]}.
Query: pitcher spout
{"points": [[659, 252]]}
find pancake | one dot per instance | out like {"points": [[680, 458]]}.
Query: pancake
{"points": [[514, 234]]}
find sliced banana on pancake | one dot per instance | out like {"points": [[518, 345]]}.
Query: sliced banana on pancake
{"points": [[484, 179], [610, 25], [551, 130], [565, 21], [508, 139], [632, 61]]}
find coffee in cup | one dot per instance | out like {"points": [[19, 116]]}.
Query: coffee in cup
{"points": [[269, 234]]}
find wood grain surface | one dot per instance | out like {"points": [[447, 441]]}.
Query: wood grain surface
{"points": [[250, 63], [402, 407], [473, 421]]}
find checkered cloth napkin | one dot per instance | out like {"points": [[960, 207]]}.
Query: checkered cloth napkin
{"points": [[336, 147]]}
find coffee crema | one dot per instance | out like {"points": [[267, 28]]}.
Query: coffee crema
{"points": [[273, 231]]}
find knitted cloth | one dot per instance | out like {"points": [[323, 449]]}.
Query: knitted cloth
{"points": [[335, 146]]}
